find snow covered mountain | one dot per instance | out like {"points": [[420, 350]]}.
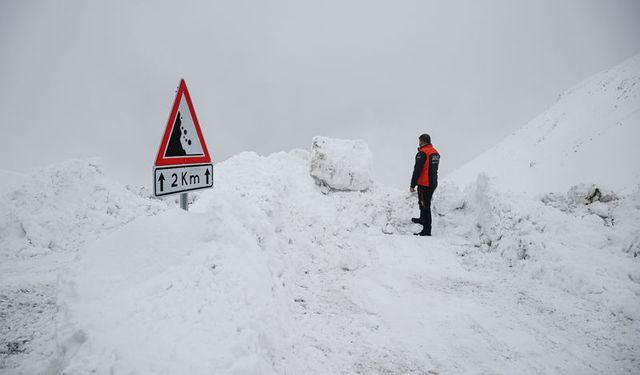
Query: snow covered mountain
{"points": [[272, 272], [590, 135]]}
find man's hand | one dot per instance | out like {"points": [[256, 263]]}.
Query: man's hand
{"points": [[412, 189]]}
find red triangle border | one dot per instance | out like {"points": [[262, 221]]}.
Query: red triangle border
{"points": [[160, 159]]}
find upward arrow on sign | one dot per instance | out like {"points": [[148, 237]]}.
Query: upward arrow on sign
{"points": [[161, 180]]}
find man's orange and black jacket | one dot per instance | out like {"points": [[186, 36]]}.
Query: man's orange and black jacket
{"points": [[425, 171]]}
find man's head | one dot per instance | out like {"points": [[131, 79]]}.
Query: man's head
{"points": [[424, 139]]}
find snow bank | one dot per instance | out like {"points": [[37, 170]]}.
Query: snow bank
{"points": [[175, 293], [589, 135], [341, 164], [61, 207], [267, 275], [584, 242], [221, 287], [44, 220]]}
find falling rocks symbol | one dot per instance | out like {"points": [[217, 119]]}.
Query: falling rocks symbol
{"points": [[175, 146]]}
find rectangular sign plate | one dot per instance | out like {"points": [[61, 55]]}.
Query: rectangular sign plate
{"points": [[181, 178]]}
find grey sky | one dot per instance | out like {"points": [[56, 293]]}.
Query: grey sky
{"points": [[84, 78]]}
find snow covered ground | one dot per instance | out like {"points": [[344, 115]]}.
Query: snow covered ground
{"points": [[270, 273], [266, 274]]}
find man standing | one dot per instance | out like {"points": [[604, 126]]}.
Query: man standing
{"points": [[425, 175]]}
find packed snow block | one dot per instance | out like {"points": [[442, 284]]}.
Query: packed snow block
{"points": [[341, 164]]}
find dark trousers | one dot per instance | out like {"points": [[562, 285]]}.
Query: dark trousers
{"points": [[425, 193]]}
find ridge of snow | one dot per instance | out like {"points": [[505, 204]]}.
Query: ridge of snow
{"points": [[58, 208]]}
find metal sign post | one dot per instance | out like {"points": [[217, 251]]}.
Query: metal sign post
{"points": [[184, 203]]}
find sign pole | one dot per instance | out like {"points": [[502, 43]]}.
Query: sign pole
{"points": [[184, 203]]}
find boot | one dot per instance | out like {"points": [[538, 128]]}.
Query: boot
{"points": [[423, 233]]}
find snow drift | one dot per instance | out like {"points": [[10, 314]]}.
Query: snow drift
{"points": [[61, 207], [590, 135], [45, 220]]}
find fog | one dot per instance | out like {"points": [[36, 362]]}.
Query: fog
{"points": [[82, 79]]}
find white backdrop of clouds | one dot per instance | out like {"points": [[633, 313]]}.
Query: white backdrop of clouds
{"points": [[87, 78]]}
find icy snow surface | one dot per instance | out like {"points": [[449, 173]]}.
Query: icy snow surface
{"points": [[590, 135], [341, 164], [268, 275]]}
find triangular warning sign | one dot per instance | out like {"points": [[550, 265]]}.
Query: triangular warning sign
{"points": [[182, 142]]}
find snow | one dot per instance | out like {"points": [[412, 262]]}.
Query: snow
{"points": [[59, 208], [341, 164], [9, 180], [297, 263], [266, 274], [589, 135], [44, 220]]}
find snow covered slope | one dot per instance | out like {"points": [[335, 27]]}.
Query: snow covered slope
{"points": [[590, 135]]}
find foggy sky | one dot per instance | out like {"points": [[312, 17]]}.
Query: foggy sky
{"points": [[82, 79]]}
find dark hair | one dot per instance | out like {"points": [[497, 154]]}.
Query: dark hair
{"points": [[425, 138]]}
